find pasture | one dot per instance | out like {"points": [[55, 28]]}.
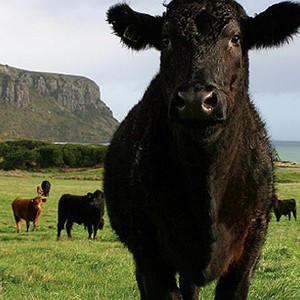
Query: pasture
{"points": [[37, 266]]}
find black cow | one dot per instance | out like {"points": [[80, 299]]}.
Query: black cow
{"points": [[87, 210], [189, 174], [46, 186], [285, 208]]}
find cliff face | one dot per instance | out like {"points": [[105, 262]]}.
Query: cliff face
{"points": [[71, 105]]}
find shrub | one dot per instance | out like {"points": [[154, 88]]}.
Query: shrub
{"points": [[20, 159], [275, 155], [30, 154], [50, 156]]}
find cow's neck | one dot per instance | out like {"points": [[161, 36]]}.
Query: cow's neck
{"points": [[208, 153]]}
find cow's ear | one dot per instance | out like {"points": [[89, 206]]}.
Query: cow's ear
{"points": [[273, 27], [136, 30]]}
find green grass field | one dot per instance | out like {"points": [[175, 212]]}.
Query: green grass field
{"points": [[36, 266]]}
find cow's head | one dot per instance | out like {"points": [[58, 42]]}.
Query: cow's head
{"points": [[96, 198], [204, 50], [37, 202], [275, 201]]}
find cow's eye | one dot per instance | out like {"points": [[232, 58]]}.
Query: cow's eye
{"points": [[165, 42], [235, 40]]}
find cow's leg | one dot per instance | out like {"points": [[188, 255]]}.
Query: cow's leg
{"points": [[188, 290], [156, 280], [18, 222], [234, 285], [295, 214], [19, 226], [27, 226], [60, 225], [289, 216], [95, 231], [34, 224], [69, 225], [90, 230], [101, 224]]}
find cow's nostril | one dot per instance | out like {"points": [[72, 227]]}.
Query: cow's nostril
{"points": [[210, 102], [181, 100]]}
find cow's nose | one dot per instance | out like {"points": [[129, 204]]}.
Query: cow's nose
{"points": [[207, 100], [200, 104]]}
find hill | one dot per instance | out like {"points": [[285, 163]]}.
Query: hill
{"points": [[52, 107]]}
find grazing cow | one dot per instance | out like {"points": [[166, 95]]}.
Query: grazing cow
{"points": [[44, 188], [189, 174], [87, 210], [28, 209], [284, 207]]}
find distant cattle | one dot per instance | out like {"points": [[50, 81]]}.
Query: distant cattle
{"points": [[39, 190], [188, 174], [87, 210], [28, 209], [44, 188], [284, 207]]}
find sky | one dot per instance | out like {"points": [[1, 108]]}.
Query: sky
{"points": [[73, 37]]}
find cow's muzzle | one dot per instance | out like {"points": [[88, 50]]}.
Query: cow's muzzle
{"points": [[197, 103]]}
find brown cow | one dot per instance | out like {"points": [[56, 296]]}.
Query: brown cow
{"points": [[28, 209], [39, 190]]}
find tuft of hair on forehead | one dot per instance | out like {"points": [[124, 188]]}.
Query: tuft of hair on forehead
{"points": [[209, 16], [218, 8]]}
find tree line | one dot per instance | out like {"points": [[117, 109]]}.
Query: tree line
{"points": [[36, 154]]}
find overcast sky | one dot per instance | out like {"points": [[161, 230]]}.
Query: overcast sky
{"points": [[72, 37]]}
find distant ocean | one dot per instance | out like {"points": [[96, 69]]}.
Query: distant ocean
{"points": [[288, 151]]}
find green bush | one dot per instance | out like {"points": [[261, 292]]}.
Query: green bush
{"points": [[69, 157], [49, 157], [8, 147], [30, 154], [20, 159], [275, 155]]}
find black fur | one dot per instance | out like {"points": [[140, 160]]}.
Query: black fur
{"points": [[273, 27], [46, 186], [136, 30], [189, 175], [87, 210], [285, 207]]}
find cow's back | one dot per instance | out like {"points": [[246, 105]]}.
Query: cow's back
{"points": [[21, 207], [72, 207]]}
